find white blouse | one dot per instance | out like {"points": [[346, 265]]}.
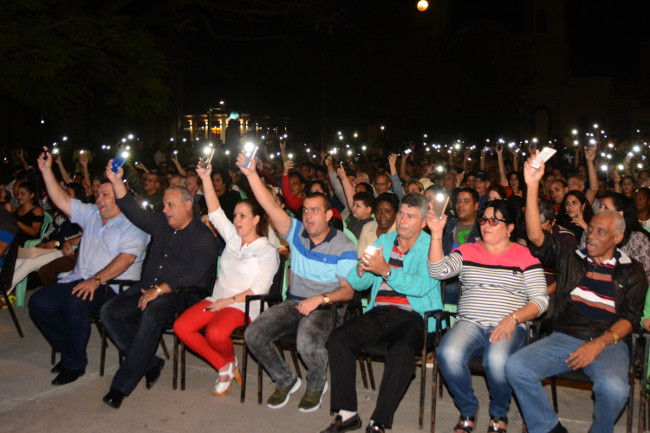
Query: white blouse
{"points": [[242, 267]]}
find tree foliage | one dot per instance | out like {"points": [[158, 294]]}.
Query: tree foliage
{"points": [[55, 54]]}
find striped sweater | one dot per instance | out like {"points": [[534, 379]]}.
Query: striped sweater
{"points": [[493, 286]]}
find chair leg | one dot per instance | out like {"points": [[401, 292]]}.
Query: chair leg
{"points": [[244, 369], [259, 383], [423, 380], [53, 357], [364, 377], [554, 395], [164, 347], [175, 363], [371, 374], [296, 364], [183, 366], [102, 356], [13, 313], [434, 393]]}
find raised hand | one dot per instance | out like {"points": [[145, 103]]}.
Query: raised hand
{"points": [[111, 175], [240, 163], [533, 175], [288, 165], [203, 170], [436, 223], [44, 160]]}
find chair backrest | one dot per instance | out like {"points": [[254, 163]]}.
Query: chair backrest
{"points": [[7, 273], [275, 292], [47, 220]]}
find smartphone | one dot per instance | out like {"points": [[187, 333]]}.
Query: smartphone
{"points": [[370, 249], [119, 160], [486, 149], [546, 154], [407, 151], [204, 161], [249, 153], [440, 202]]}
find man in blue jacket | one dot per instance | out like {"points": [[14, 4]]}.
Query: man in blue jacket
{"points": [[401, 291]]}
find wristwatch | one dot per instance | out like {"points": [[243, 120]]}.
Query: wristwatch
{"points": [[57, 244], [326, 299], [387, 276]]}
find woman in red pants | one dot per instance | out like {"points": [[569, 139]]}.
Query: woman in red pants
{"points": [[247, 267]]}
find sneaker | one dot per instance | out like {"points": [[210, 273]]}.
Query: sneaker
{"points": [[280, 396], [339, 426], [312, 400]]}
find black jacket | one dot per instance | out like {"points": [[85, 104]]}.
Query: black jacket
{"points": [[630, 286]]}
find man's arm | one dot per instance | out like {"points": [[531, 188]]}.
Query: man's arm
{"points": [[342, 294], [587, 352], [280, 219], [590, 194], [57, 194], [532, 176], [117, 266], [348, 189]]}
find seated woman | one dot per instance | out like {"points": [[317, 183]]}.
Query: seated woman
{"points": [[59, 238], [579, 211], [385, 210], [502, 286], [29, 215], [248, 265]]}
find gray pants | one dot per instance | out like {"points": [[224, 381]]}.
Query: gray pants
{"points": [[312, 332]]}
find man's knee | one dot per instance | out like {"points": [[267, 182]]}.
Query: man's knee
{"points": [[612, 388], [516, 368], [255, 336]]}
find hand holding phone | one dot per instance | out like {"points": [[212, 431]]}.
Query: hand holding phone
{"points": [[249, 153], [546, 154], [119, 160]]}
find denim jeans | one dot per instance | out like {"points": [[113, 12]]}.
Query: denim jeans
{"points": [[64, 320], [462, 343], [547, 357], [138, 343], [312, 332]]}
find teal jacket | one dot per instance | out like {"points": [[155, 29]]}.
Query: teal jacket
{"points": [[413, 280]]}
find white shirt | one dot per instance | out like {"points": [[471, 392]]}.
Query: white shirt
{"points": [[242, 267]]}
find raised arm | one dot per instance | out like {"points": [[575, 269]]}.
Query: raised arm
{"points": [[533, 176], [335, 181], [348, 189], [83, 161], [116, 180], [590, 194], [57, 194], [503, 179], [211, 199], [65, 176], [280, 219], [395, 180], [179, 167]]}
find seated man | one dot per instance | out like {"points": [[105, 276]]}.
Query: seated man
{"points": [[321, 257], [181, 254], [598, 300], [111, 247], [401, 292]]}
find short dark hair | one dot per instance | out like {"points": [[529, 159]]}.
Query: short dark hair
{"points": [[507, 212], [323, 185], [79, 191], [419, 201], [546, 211], [389, 198], [470, 191], [365, 197], [225, 176], [366, 186], [326, 200]]}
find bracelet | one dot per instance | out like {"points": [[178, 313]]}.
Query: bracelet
{"points": [[234, 301], [613, 335], [514, 316], [158, 289], [436, 239], [97, 280]]}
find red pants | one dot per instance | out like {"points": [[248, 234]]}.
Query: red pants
{"points": [[216, 346]]}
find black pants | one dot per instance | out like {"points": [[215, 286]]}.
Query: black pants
{"points": [[403, 331]]}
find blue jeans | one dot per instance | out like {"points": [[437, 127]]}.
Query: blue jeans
{"points": [[464, 342], [119, 317], [547, 357], [64, 320], [312, 332]]}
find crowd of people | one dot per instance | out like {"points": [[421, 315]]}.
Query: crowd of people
{"points": [[565, 243]]}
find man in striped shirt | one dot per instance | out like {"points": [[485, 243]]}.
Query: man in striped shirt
{"points": [[394, 268], [599, 296]]}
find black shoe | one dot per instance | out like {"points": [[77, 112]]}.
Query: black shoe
{"points": [[67, 376], [375, 428], [559, 428], [114, 398], [57, 368], [153, 374], [338, 426]]}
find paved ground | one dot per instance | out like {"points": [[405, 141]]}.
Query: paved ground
{"points": [[29, 403]]}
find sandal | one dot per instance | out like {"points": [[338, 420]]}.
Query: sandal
{"points": [[222, 388], [495, 424], [466, 423]]}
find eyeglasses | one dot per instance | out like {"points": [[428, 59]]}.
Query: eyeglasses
{"points": [[491, 221]]}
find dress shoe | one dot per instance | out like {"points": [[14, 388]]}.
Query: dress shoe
{"points": [[375, 428], [153, 374], [57, 368], [67, 376], [338, 425], [114, 398]]}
